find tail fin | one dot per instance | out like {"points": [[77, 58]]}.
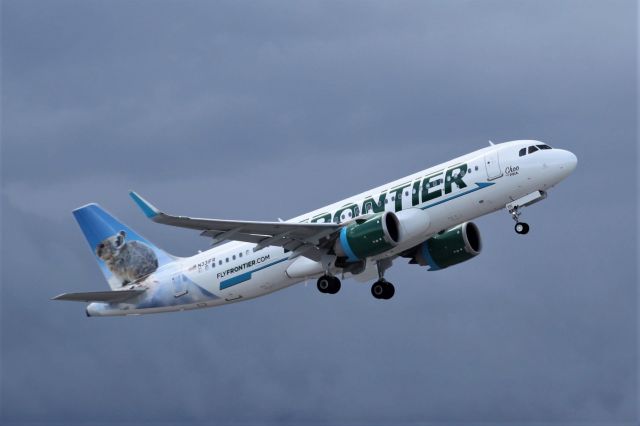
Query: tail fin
{"points": [[123, 255]]}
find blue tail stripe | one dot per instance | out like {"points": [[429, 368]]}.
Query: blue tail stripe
{"points": [[247, 275]]}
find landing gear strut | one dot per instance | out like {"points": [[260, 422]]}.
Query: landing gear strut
{"points": [[521, 227], [382, 289], [329, 284], [514, 209]]}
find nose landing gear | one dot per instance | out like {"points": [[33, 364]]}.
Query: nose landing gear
{"points": [[514, 209], [521, 227]]}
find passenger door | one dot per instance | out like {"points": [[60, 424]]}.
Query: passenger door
{"points": [[492, 164]]}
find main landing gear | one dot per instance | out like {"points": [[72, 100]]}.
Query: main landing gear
{"points": [[382, 289], [329, 284]]}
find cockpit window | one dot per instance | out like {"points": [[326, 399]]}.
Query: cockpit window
{"points": [[532, 148]]}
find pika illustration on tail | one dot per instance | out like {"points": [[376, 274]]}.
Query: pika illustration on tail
{"points": [[127, 260]]}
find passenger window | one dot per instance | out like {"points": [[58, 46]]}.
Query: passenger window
{"points": [[240, 254], [522, 152], [532, 149]]}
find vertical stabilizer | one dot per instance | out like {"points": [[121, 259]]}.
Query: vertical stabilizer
{"points": [[123, 255]]}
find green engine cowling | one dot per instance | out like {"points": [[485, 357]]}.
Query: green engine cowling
{"points": [[368, 237], [450, 247]]}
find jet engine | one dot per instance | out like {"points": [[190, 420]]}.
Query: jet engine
{"points": [[368, 237], [449, 247]]}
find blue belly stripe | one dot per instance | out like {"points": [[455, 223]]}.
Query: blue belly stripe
{"points": [[480, 185], [247, 275]]}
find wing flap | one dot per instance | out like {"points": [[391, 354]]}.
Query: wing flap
{"points": [[100, 296]]}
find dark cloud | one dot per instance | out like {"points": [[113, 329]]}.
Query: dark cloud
{"points": [[265, 110]]}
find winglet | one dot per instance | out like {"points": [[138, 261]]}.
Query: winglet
{"points": [[147, 208]]}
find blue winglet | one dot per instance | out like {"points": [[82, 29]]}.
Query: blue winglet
{"points": [[147, 208]]}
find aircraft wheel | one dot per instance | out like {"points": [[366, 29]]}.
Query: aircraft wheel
{"points": [[335, 285], [328, 284], [389, 291], [522, 228], [382, 290], [324, 284]]}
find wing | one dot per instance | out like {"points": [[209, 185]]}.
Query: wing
{"points": [[310, 240], [100, 296]]}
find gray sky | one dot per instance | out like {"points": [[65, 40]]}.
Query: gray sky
{"points": [[259, 110]]}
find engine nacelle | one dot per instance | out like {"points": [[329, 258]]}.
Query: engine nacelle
{"points": [[450, 247], [368, 237]]}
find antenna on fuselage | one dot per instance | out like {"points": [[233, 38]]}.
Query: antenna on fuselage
{"points": [[491, 143]]}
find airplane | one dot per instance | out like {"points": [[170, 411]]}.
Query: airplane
{"points": [[424, 217]]}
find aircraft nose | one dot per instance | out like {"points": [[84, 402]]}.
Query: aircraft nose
{"points": [[562, 164], [568, 161]]}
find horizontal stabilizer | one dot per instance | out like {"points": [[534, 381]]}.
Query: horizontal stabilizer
{"points": [[100, 296]]}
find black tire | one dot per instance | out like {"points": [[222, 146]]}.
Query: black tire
{"points": [[324, 284], [521, 228], [378, 289], [389, 291], [335, 285]]}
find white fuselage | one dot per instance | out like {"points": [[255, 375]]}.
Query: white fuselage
{"points": [[494, 176]]}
